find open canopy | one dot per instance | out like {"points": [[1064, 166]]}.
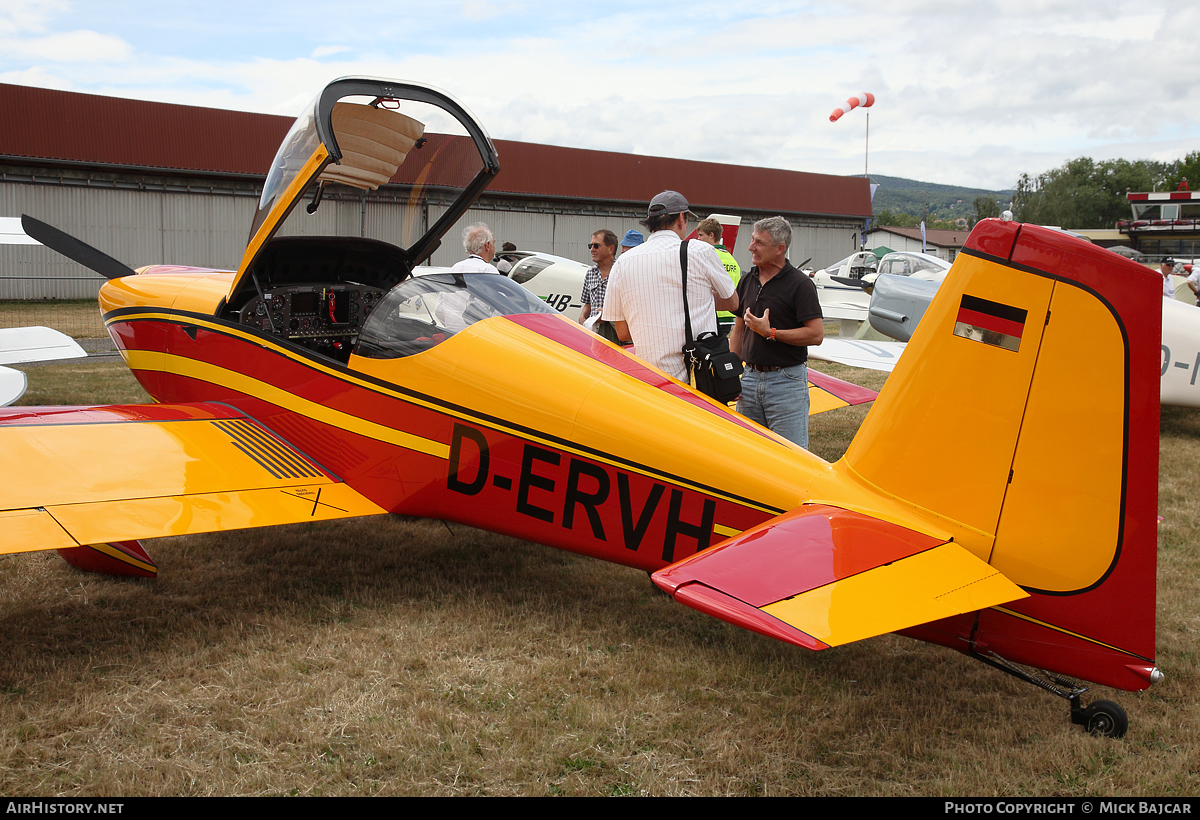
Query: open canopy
{"points": [[363, 133]]}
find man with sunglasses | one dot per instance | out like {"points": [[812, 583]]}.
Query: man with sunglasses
{"points": [[603, 247]]}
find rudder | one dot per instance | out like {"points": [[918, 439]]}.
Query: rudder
{"points": [[1026, 410]]}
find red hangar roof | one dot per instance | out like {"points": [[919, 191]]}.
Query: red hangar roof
{"points": [[48, 127]]}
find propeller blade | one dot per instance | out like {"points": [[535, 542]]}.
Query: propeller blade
{"points": [[75, 249]]}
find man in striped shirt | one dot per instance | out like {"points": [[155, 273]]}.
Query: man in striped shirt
{"points": [[644, 298]]}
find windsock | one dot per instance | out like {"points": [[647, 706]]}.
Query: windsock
{"points": [[864, 99]]}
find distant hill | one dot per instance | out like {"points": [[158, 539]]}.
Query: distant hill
{"points": [[911, 197]]}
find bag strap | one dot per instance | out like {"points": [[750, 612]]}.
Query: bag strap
{"points": [[687, 314]]}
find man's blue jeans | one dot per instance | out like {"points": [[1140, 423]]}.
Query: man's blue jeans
{"points": [[778, 400]]}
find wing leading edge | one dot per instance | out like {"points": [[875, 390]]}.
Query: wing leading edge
{"points": [[822, 576], [90, 475]]}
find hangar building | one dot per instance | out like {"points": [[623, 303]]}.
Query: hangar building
{"points": [[152, 183]]}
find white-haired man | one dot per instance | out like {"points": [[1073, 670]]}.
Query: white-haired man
{"points": [[644, 297], [481, 249], [779, 317]]}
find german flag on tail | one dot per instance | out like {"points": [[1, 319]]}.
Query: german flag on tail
{"points": [[992, 323]]}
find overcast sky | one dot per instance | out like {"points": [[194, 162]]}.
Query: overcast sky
{"points": [[968, 92]]}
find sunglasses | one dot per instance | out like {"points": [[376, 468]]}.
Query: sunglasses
{"points": [[593, 246]]}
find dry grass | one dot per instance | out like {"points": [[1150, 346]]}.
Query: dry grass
{"points": [[80, 381], [78, 318], [395, 656]]}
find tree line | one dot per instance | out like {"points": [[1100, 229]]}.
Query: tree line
{"points": [[1084, 193]]}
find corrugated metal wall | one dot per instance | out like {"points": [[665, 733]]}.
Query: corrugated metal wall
{"points": [[143, 227], [136, 227]]}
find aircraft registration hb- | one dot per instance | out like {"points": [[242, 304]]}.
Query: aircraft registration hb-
{"points": [[322, 380]]}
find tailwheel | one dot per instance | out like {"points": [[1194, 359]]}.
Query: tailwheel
{"points": [[1106, 719], [1103, 718]]}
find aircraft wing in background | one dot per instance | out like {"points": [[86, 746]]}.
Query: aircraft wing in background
{"points": [[858, 353], [30, 344]]}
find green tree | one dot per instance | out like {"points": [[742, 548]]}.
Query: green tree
{"points": [[896, 219], [985, 208], [1084, 193], [1187, 168]]}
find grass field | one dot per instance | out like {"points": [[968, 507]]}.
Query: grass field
{"points": [[79, 318], [395, 656]]}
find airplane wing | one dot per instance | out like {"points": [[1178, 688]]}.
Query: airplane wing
{"points": [[844, 310], [858, 353], [90, 475], [821, 576], [30, 344]]}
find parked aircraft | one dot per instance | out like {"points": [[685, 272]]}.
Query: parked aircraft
{"points": [[897, 306], [844, 288], [322, 380], [30, 344], [555, 280]]}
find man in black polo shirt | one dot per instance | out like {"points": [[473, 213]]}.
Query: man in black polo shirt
{"points": [[779, 316]]}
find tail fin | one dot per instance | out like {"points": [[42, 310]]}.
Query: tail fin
{"points": [[1026, 410]]}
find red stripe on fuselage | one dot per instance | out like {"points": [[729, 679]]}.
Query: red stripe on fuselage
{"points": [[530, 489]]}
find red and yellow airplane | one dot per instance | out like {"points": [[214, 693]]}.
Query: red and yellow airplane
{"points": [[999, 499]]}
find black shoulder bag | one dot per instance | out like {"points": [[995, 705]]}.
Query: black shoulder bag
{"points": [[716, 370]]}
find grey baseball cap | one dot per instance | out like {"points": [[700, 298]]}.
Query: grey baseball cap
{"points": [[669, 202]]}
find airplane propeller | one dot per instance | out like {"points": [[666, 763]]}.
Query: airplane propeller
{"points": [[868, 285], [75, 249]]}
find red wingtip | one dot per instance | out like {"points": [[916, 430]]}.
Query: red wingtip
{"points": [[124, 558]]}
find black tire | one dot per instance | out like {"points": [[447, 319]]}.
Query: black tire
{"points": [[1106, 719]]}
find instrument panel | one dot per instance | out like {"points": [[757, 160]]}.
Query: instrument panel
{"points": [[325, 317]]}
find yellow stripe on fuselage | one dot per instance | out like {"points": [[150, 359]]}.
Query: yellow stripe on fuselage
{"points": [[204, 371], [583, 409], [216, 374]]}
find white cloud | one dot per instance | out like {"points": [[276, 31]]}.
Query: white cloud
{"points": [[485, 10], [325, 51], [17, 16], [80, 46], [971, 93]]}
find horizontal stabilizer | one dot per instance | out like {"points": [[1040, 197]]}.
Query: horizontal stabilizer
{"points": [[829, 393], [821, 576], [92, 475]]}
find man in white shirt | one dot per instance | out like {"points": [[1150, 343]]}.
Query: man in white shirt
{"points": [[480, 246], [644, 297], [481, 249]]}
